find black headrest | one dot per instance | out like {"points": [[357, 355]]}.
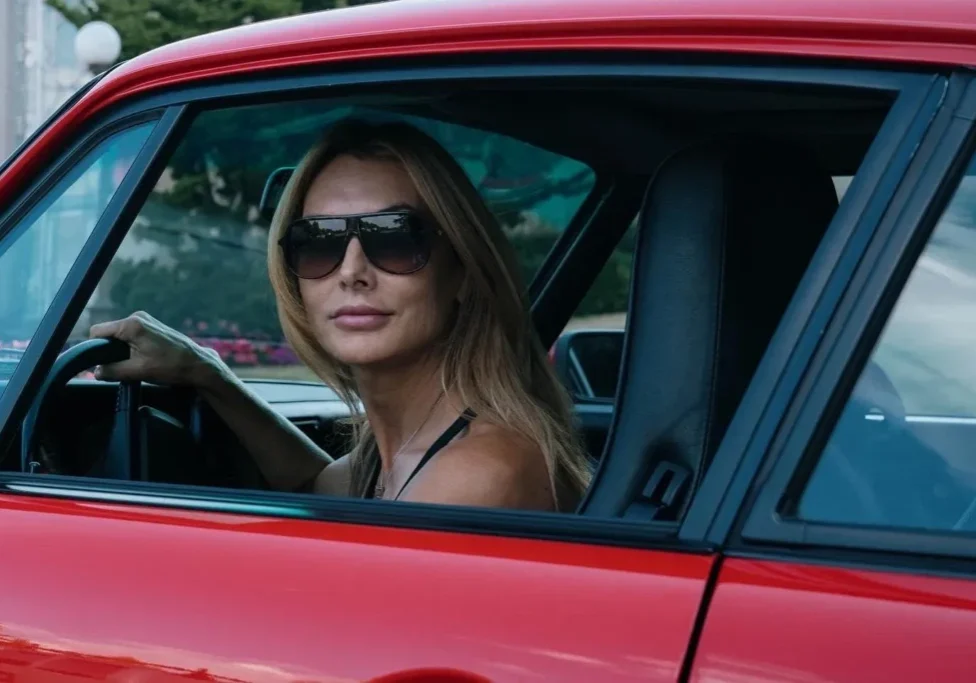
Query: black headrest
{"points": [[726, 232]]}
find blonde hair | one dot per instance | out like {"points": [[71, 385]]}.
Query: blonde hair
{"points": [[493, 359]]}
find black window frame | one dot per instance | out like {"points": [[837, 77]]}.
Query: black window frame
{"points": [[910, 88], [872, 291]]}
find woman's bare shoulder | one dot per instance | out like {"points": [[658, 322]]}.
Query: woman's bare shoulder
{"points": [[489, 466], [335, 479]]}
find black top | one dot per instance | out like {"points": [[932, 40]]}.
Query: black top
{"points": [[441, 441]]}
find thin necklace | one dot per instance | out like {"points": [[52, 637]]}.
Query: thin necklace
{"points": [[381, 485]]}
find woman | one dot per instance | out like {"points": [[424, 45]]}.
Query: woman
{"points": [[397, 287]]}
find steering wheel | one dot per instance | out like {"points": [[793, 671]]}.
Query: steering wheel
{"points": [[123, 456]]}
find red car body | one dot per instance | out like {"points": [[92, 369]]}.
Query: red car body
{"points": [[103, 590]]}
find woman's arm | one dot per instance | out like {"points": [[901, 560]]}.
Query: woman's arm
{"points": [[288, 459]]}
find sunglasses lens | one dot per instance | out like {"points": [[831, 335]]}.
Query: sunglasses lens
{"points": [[313, 249], [396, 243]]}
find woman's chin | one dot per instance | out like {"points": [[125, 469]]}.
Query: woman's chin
{"points": [[361, 352], [378, 356]]}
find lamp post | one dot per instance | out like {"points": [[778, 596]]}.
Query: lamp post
{"points": [[97, 46]]}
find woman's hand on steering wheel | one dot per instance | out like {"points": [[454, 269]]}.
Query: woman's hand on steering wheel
{"points": [[159, 354]]}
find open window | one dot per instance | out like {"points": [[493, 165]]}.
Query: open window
{"points": [[656, 309]]}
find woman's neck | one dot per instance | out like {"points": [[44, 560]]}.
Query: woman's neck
{"points": [[399, 402]]}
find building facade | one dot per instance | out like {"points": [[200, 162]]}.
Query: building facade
{"points": [[13, 75], [38, 68]]}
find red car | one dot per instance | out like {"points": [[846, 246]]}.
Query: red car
{"points": [[774, 201]]}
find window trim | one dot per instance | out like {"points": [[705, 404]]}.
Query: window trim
{"points": [[873, 291], [325, 81], [178, 105], [385, 513]]}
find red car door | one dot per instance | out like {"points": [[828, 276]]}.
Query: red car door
{"points": [[857, 560], [782, 620], [136, 592]]}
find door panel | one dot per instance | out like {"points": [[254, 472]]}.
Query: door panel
{"points": [[777, 621], [108, 591]]}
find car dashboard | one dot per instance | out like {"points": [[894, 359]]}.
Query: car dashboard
{"points": [[186, 441]]}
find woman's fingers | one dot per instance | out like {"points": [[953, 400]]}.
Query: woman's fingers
{"points": [[126, 370], [158, 353], [105, 330], [131, 330], [128, 329]]}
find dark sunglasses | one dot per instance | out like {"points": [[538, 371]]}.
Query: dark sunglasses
{"points": [[397, 242]]}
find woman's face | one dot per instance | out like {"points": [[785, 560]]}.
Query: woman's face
{"points": [[361, 315]]}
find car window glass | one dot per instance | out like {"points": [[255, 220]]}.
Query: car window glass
{"points": [[203, 229], [38, 251], [901, 454], [594, 336]]}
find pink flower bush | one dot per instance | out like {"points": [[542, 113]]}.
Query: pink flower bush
{"points": [[236, 349], [240, 351]]}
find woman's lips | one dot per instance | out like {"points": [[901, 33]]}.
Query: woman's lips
{"points": [[359, 318]]}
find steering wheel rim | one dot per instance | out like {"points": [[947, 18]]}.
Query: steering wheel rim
{"points": [[124, 444]]}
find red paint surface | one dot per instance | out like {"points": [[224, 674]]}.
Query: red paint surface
{"points": [[783, 622], [933, 32], [110, 592]]}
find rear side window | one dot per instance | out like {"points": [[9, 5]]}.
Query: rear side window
{"points": [[903, 453]]}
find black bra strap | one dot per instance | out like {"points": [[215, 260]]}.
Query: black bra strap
{"points": [[456, 428], [442, 441]]}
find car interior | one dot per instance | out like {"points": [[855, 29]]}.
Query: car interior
{"points": [[732, 187]]}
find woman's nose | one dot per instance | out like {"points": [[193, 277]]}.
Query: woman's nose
{"points": [[354, 268]]}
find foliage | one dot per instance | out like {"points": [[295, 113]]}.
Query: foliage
{"points": [[204, 291]]}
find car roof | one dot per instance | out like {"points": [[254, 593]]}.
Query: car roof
{"points": [[931, 32], [939, 31]]}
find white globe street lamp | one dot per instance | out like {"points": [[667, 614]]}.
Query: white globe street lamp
{"points": [[97, 46]]}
